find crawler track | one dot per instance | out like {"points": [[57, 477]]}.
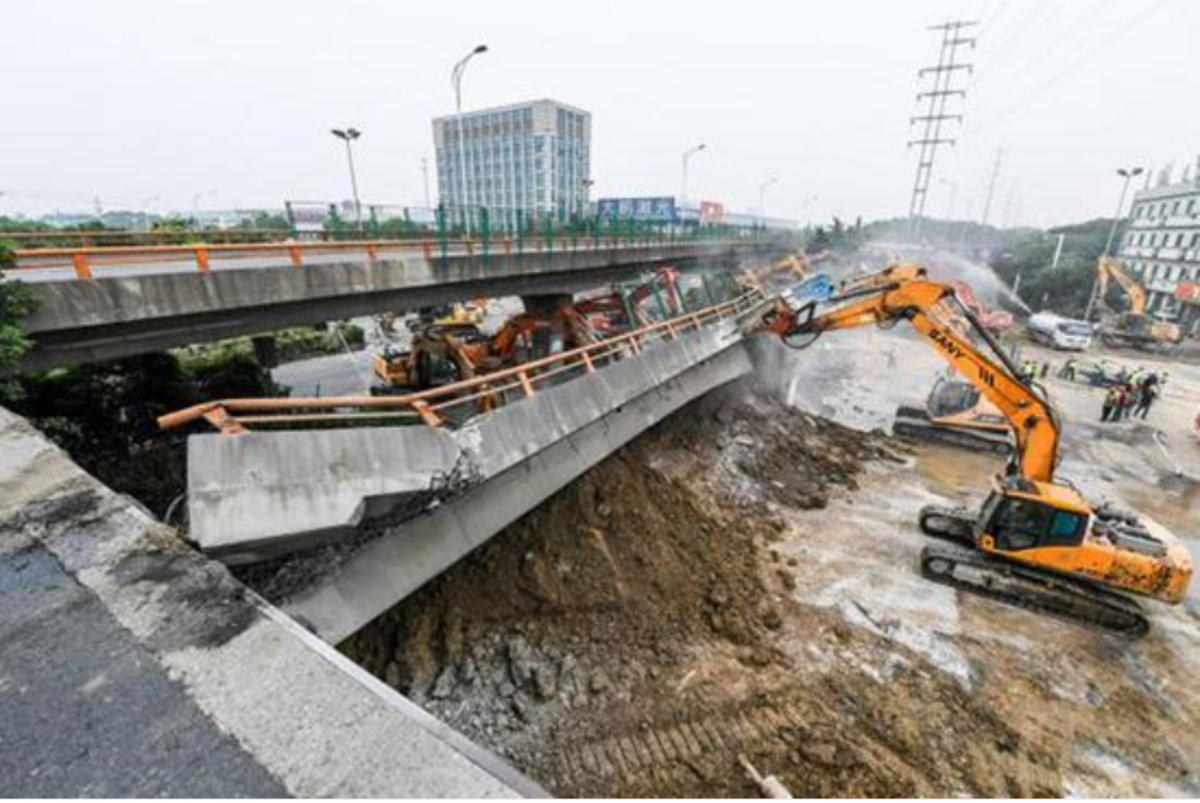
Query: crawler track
{"points": [[1054, 595], [914, 423]]}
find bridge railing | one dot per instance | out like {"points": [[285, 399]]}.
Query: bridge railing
{"points": [[458, 401], [204, 257]]}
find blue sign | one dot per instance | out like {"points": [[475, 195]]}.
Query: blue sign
{"points": [[645, 210]]}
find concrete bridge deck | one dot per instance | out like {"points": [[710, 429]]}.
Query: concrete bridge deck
{"points": [[116, 306], [400, 504]]}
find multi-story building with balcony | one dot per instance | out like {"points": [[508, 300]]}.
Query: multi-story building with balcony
{"points": [[530, 157], [1161, 247]]}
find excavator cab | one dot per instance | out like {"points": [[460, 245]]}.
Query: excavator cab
{"points": [[1017, 523], [951, 398]]}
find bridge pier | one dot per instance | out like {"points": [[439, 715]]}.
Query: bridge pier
{"points": [[546, 304], [266, 351]]}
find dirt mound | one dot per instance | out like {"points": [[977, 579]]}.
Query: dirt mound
{"points": [[637, 633]]}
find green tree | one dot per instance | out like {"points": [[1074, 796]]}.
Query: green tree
{"points": [[16, 301]]}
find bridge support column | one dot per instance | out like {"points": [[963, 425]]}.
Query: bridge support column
{"points": [[266, 351], [546, 304]]}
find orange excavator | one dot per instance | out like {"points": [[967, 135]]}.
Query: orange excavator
{"points": [[1035, 542], [1135, 328], [440, 354]]}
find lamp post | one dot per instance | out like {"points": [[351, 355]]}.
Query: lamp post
{"points": [[348, 135], [809, 201], [456, 76], [762, 197], [196, 196], [1128, 176], [687, 155], [146, 209]]}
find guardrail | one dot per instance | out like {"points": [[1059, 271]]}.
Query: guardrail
{"points": [[435, 406], [83, 261]]}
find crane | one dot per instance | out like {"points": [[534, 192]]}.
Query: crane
{"points": [[1035, 542]]}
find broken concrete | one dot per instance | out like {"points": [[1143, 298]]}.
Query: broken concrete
{"points": [[260, 494]]}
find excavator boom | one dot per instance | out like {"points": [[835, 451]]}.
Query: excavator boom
{"points": [[904, 293]]}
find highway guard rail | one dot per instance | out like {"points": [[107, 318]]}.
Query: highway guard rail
{"points": [[438, 406], [203, 257]]}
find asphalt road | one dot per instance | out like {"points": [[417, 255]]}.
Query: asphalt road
{"points": [[86, 712]]}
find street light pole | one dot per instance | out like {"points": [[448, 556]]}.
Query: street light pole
{"points": [[425, 179], [456, 76], [688, 154], [809, 201], [348, 135], [1128, 176], [762, 197], [146, 210]]}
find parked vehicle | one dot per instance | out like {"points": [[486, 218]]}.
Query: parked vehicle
{"points": [[1058, 332]]}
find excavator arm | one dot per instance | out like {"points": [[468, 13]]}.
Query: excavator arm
{"points": [[1109, 267], [904, 293]]}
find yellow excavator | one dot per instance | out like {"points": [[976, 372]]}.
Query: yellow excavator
{"points": [[1132, 329], [1035, 542], [955, 413]]}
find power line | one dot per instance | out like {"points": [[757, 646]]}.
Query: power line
{"points": [[936, 100], [1077, 25], [1123, 30], [1002, 48]]}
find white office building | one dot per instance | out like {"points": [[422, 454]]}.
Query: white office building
{"points": [[534, 157], [1161, 248]]}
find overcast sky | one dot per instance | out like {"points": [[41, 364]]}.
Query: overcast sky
{"points": [[146, 102]]}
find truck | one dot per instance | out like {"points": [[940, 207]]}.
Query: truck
{"points": [[1067, 334]]}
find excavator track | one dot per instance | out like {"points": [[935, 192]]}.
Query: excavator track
{"points": [[915, 423], [1062, 597], [955, 524]]}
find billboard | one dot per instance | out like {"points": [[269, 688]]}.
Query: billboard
{"points": [[308, 217], [644, 210], [1188, 292], [712, 212]]}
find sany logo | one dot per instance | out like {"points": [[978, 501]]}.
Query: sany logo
{"points": [[943, 339]]}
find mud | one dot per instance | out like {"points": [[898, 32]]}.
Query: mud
{"points": [[639, 632], [742, 581]]}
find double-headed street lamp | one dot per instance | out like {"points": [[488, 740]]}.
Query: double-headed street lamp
{"points": [[687, 155], [762, 197], [348, 135], [456, 76], [1128, 176]]}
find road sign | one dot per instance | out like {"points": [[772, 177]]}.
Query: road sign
{"points": [[645, 210]]}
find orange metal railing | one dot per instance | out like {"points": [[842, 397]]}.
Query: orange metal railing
{"points": [[434, 406], [83, 261]]}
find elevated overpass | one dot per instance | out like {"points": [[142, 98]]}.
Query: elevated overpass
{"points": [[105, 303]]}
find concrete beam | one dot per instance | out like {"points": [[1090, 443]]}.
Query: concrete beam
{"points": [[266, 493], [80, 321], [392, 567]]}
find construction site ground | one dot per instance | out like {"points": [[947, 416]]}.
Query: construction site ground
{"points": [[742, 580]]}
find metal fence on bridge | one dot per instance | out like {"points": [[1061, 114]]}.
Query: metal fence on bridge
{"points": [[457, 401]]}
